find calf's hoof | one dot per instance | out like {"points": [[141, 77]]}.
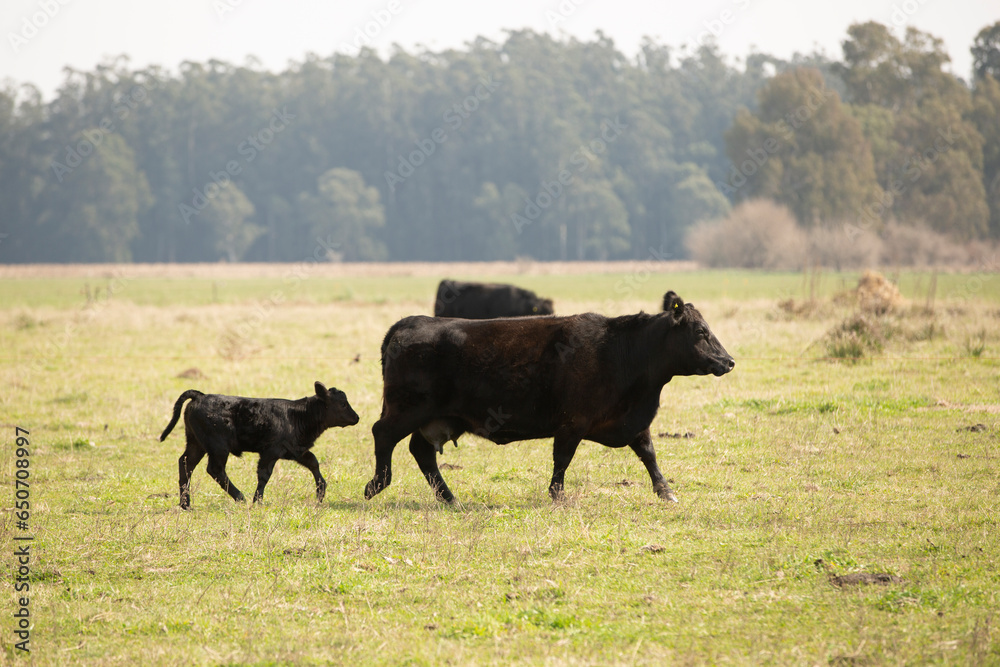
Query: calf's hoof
{"points": [[372, 489]]}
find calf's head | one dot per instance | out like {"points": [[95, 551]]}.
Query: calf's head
{"points": [[701, 351], [336, 410]]}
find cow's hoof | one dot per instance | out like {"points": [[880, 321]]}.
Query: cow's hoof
{"points": [[371, 490], [446, 499], [668, 496]]}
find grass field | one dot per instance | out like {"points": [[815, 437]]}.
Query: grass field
{"points": [[799, 468]]}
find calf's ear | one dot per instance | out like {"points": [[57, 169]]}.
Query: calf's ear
{"points": [[673, 303], [320, 388]]}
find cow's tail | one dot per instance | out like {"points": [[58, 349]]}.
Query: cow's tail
{"points": [[190, 393]]}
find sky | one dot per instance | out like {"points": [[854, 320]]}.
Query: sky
{"points": [[41, 37]]}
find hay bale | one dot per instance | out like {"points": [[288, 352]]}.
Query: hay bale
{"points": [[877, 295]]}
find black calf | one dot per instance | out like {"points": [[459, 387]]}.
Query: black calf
{"points": [[276, 428]]}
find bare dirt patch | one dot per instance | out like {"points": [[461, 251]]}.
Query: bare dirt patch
{"points": [[865, 579]]}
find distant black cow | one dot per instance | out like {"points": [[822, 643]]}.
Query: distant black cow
{"points": [[276, 428], [572, 378], [481, 301]]}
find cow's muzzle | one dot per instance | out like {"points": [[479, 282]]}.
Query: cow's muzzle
{"points": [[724, 366]]}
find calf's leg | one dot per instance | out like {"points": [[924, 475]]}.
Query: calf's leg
{"points": [[185, 465], [309, 461], [423, 451], [265, 466], [217, 469], [642, 445], [563, 449]]}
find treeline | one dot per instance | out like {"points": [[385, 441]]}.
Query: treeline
{"points": [[535, 147]]}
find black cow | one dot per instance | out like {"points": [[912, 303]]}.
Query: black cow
{"points": [[481, 301], [276, 428], [572, 378]]}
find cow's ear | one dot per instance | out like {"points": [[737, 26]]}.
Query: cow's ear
{"points": [[673, 304], [320, 389]]}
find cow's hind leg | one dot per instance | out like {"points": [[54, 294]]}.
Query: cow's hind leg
{"points": [[423, 451], [192, 455], [309, 461], [642, 445], [217, 469], [563, 450]]}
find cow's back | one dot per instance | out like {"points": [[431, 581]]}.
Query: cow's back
{"points": [[532, 369], [483, 300]]}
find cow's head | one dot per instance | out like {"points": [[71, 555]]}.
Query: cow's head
{"points": [[702, 353], [542, 307], [336, 410]]}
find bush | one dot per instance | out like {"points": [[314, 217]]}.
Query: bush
{"points": [[919, 246], [836, 248], [757, 234], [857, 337]]}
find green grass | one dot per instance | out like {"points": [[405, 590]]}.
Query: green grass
{"points": [[801, 467]]}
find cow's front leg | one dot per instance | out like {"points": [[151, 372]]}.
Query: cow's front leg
{"points": [[423, 451], [563, 450], [309, 461], [642, 445], [386, 435]]}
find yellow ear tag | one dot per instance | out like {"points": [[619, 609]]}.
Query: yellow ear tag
{"points": [[676, 305]]}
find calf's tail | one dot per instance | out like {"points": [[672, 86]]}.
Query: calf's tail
{"points": [[190, 393]]}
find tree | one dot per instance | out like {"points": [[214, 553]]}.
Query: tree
{"points": [[91, 211], [985, 116], [986, 52], [802, 149], [929, 155], [595, 224], [346, 215], [227, 214]]}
